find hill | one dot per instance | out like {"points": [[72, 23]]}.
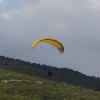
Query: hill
{"points": [[15, 86], [59, 74]]}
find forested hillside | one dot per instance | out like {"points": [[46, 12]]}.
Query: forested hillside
{"points": [[15, 86], [59, 74]]}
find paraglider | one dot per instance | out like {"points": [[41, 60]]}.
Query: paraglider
{"points": [[49, 73], [57, 44], [50, 41]]}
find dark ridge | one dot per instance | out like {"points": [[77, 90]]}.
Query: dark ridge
{"points": [[58, 74]]}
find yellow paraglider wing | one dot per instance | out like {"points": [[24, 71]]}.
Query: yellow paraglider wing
{"points": [[51, 41]]}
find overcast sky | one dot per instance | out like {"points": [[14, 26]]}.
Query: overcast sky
{"points": [[75, 23]]}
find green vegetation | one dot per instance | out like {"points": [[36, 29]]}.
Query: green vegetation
{"points": [[59, 74], [15, 86]]}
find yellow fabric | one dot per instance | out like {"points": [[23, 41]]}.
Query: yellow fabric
{"points": [[51, 41]]}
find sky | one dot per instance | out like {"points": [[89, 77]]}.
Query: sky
{"points": [[75, 23]]}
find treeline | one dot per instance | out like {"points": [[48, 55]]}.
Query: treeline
{"points": [[59, 74], [25, 87]]}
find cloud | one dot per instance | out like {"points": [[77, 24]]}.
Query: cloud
{"points": [[9, 14], [94, 4], [60, 25], [73, 23], [1, 1]]}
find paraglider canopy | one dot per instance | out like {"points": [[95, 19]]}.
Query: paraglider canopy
{"points": [[57, 44], [50, 41]]}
